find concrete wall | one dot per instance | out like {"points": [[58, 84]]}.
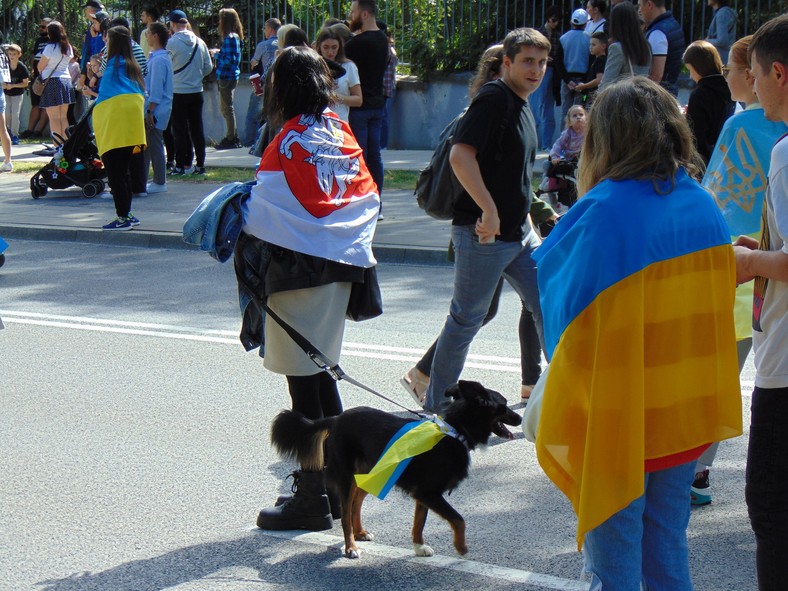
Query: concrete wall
{"points": [[419, 113]]}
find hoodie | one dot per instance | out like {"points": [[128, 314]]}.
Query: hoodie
{"points": [[189, 79], [709, 107]]}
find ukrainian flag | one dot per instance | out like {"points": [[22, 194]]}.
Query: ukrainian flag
{"points": [[118, 119], [414, 438], [637, 290]]}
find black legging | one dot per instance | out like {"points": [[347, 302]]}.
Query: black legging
{"points": [[315, 396]]}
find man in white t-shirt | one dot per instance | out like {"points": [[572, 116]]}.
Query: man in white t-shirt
{"points": [[766, 489]]}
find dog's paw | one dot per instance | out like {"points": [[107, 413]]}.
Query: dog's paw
{"points": [[352, 553], [423, 550], [461, 550], [364, 536]]}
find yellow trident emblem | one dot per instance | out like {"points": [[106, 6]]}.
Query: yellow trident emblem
{"points": [[738, 184]]}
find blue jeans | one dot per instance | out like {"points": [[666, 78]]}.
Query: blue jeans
{"points": [[477, 269], [646, 542], [366, 125], [254, 115], [766, 489], [543, 107]]}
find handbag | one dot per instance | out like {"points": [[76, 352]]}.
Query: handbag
{"points": [[365, 299], [39, 85]]}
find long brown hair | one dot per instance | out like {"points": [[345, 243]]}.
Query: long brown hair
{"points": [[488, 68], [230, 22], [636, 131], [57, 34], [119, 45]]}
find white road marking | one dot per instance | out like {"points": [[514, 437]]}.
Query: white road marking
{"points": [[462, 565], [229, 337], [493, 363]]}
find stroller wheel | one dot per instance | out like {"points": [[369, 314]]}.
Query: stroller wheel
{"points": [[37, 187], [90, 190], [100, 186]]}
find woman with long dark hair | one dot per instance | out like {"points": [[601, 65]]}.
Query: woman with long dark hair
{"points": [[315, 207], [628, 53], [119, 123], [228, 69], [331, 47], [58, 91]]}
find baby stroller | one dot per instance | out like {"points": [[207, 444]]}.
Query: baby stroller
{"points": [[560, 185], [76, 162]]}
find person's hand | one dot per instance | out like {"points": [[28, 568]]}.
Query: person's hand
{"points": [[214, 51], [150, 122], [743, 256], [488, 226], [746, 242], [86, 91], [572, 85], [555, 161]]}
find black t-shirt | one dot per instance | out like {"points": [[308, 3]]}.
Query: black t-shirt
{"points": [[370, 52], [17, 75], [506, 162], [597, 67]]}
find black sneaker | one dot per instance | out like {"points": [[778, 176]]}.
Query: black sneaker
{"points": [[200, 170], [700, 493], [177, 171]]}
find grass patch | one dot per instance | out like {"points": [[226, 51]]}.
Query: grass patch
{"points": [[394, 179]]}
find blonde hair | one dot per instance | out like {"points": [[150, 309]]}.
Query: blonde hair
{"points": [[738, 53], [635, 132], [282, 32], [572, 109]]}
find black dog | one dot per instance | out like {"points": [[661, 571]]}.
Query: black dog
{"points": [[355, 439]]}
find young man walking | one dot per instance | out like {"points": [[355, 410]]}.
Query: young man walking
{"points": [[492, 156], [766, 262]]}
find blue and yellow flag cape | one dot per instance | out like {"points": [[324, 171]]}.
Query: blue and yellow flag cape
{"points": [[737, 175], [118, 119], [637, 295], [414, 438]]}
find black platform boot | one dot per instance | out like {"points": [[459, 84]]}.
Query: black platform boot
{"points": [[333, 499], [307, 509]]}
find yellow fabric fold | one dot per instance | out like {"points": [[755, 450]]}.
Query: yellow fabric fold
{"points": [[655, 351]]}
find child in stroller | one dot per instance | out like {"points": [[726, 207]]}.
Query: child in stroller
{"points": [[559, 181], [75, 162]]}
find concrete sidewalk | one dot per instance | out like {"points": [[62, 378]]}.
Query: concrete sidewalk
{"points": [[406, 235]]}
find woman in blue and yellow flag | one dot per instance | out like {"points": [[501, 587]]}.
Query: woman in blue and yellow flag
{"points": [[119, 123], [737, 176], [637, 284]]}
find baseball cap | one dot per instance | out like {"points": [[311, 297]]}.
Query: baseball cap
{"points": [[93, 4], [579, 17], [101, 15], [178, 16]]}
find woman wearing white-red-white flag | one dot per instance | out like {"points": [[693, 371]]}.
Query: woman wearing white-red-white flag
{"points": [[314, 207]]}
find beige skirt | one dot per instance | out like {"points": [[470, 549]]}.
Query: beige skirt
{"points": [[318, 313]]}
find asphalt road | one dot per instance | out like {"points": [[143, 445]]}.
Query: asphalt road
{"points": [[134, 431]]}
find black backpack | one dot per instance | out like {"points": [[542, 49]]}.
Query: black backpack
{"points": [[438, 189]]}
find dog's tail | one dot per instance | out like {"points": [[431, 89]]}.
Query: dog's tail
{"points": [[296, 437]]}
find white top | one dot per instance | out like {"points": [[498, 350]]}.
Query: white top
{"points": [[771, 344], [594, 26], [658, 42], [53, 54], [344, 85]]}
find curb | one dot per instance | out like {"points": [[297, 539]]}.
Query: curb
{"points": [[384, 253]]}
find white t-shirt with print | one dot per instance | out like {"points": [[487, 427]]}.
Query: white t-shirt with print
{"points": [[771, 344]]}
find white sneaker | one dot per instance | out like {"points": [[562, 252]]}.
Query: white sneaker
{"points": [[188, 170], [157, 188], [7, 167]]}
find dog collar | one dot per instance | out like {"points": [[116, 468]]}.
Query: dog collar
{"points": [[447, 429]]}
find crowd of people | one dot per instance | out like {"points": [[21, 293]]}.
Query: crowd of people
{"points": [[642, 381]]}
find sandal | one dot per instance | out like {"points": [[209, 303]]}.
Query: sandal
{"points": [[525, 393], [416, 385]]}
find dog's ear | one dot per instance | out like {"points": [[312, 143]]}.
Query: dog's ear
{"points": [[470, 390], [454, 391]]}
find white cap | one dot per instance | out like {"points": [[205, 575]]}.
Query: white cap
{"points": [[579, 17]]}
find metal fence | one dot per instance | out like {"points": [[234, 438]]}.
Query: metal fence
{"points": [[430, 35]]}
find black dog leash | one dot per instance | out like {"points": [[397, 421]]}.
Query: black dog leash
{"points": [[317, 356]]}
